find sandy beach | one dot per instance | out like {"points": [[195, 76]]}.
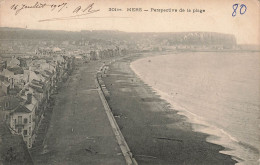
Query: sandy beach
{"points": [[216, 92], [155, 133]]}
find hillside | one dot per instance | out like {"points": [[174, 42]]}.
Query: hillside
{"points": [[170, 38]]}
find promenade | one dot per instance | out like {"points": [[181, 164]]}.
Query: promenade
{"points": [[80, 132]]}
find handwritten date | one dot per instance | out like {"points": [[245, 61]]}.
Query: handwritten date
{"points": [[18, 8], [77, 13]]}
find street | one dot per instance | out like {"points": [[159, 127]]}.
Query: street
{"points": [[79, 131]]}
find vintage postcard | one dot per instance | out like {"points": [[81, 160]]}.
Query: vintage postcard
{"points": [[114, 82]]}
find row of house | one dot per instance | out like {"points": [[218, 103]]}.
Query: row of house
{"points": [[26, 90], [100, 53]]}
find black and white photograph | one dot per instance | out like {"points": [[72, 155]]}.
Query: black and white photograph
{"points": [[128, 82]]}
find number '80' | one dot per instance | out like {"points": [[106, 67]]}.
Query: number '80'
{"points": [[243, 9]]}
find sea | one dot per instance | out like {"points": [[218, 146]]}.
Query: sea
{"points": [[218, 92]]}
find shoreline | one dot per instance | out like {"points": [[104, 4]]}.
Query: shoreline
{"points": [[181, 131], [197, 126], [217, 135]]}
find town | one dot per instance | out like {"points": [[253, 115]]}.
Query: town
{"points": [[30, 77], [35, 66]]}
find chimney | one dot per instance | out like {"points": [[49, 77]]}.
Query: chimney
{"points": [[29, 98], [12, 83], [5, 64]]}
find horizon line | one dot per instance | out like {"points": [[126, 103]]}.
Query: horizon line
{"points": [[116, 30]]}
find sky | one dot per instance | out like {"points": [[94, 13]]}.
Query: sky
{"points": [[216, 18]]}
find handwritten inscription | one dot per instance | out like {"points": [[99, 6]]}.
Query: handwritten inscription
{"points": [[18, 8], [243, 9], [77, 12], [88, 9]]}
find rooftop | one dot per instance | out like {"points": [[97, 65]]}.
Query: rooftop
{"points": [[22, 109], [10, 102], [16, 70]]}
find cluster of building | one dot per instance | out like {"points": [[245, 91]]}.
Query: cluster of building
{"points": [[26, 86], [27, 80]]}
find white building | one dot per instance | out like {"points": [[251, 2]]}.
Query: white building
{"points": [[22, 119]]}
